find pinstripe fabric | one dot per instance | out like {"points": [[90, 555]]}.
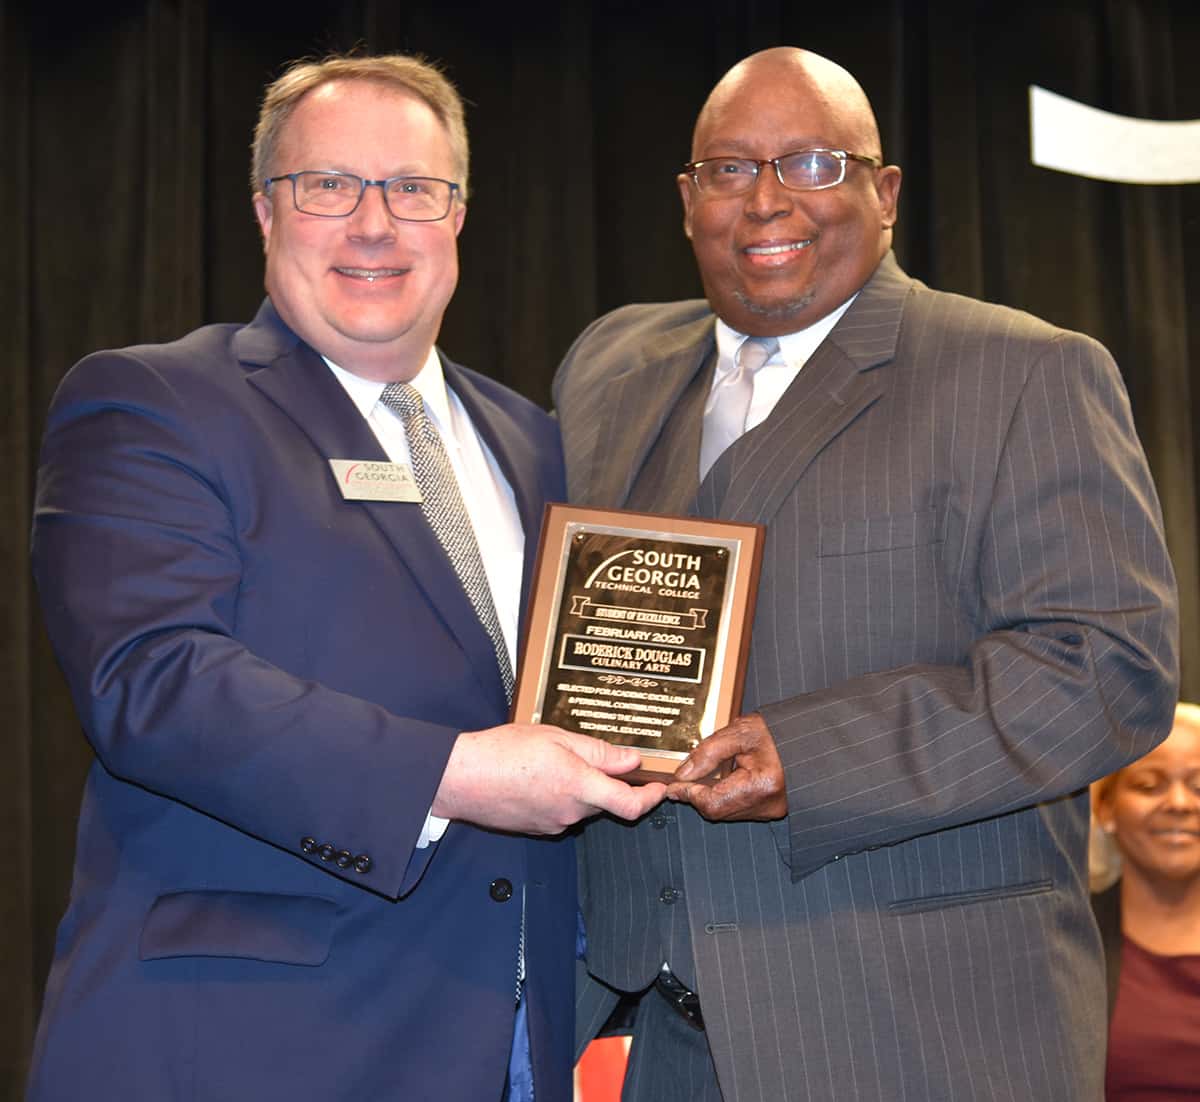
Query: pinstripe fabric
{"points": [[668, 1058], [593, 1004], [670, 476], [966, 613]]}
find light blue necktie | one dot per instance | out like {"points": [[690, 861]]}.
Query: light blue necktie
{"points": [[729, 403]]}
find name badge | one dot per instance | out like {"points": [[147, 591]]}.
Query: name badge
{"points": [[368, 480]]}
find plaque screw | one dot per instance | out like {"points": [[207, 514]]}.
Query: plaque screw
{"points": [[720, 550], [579, 538]]}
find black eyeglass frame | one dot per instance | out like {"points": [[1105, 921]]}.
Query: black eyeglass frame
{"points": [[842, 155], [381, 184]]}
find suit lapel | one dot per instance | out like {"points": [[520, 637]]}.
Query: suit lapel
{"points": [[296, 379], [637, 404], [836, 385]]}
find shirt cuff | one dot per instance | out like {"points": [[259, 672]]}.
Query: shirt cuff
{"points": [[431, 830]]}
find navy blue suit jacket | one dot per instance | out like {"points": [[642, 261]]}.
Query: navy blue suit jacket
{"points": [[272, 679]]}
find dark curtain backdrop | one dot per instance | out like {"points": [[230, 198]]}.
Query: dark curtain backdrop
{"points": [[124, 216]]}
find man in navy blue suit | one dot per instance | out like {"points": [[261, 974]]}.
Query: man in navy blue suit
{"points": [[307, 865]]}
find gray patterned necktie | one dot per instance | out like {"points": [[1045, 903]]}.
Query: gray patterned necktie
{"points": [[442, 505], [725, 419]]}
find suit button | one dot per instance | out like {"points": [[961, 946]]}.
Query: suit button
{"points": [[500, 890], [343, 859], [307, 845], [658, 822], [669, 895], [326, 852], [362, 863]]}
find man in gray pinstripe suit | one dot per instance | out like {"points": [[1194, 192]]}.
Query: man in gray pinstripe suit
{"points": [[966, 614]]}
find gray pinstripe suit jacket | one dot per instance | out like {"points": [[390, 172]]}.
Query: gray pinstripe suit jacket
{"points": [[966, 613]]}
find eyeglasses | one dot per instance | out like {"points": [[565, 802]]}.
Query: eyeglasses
{"points": [[337, 194], [804, 170]]}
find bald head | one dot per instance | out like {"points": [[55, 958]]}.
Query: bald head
{"points": [[800, 74], [776, 257]]}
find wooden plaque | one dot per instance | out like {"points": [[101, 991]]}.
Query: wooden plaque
{"points": [[638, 629]]}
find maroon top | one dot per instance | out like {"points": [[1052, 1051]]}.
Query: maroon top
{"points": [[1154, 1036]]}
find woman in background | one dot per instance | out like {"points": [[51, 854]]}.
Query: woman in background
{"points": [[1150, 918]]}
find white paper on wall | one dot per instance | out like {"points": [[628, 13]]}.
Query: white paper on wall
{"points": [[1069, 136]]}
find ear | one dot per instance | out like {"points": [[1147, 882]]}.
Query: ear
{"points": [[1101, 799], [887, 187], [687, 192], [460, 216], [263, 212]]}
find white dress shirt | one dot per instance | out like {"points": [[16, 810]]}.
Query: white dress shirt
{"points": [[778, 373], [485, 491]]}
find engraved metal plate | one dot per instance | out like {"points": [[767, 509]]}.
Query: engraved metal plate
{"points": [[638, 629]]}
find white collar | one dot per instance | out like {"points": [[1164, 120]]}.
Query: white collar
{"points": [[430, 382], [794, 348]]}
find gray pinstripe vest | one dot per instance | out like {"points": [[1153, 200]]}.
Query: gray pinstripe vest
{"points": [[628, 943]]}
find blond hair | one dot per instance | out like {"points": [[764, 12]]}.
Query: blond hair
{"points": [[411, 74]]}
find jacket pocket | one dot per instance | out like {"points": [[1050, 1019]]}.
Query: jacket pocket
{"points": [[883, 533], [283, 929], [963, 899]]}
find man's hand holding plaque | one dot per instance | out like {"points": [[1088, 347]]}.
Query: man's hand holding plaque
{"points": [[538, 780], [734, 774]]}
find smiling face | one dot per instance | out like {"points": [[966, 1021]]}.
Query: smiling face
{"points": [[367, 290], [774, 260], [1152, 808]]}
